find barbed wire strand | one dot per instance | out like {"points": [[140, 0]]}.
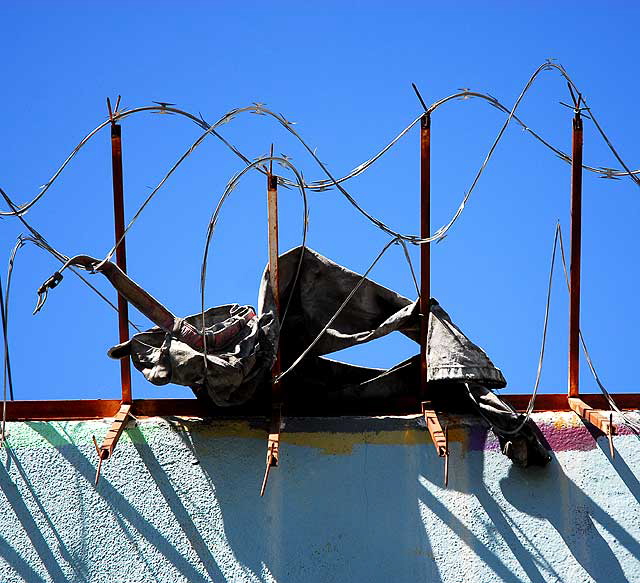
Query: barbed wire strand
{"points": [[442, 231], [628, 420], [324, 184], [319, 185], [337, 313], [231, 185], [38, 240], [3, 430], [5, 321], [532, 400]]}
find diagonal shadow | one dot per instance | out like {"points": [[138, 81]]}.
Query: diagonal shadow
{"points": [[324, 517], [497, 516], [167, 490], [117, 502], [23, 514], [17, 563], [466, 534], [66, 554], [571, 513], [475, 460], [623, 470]]}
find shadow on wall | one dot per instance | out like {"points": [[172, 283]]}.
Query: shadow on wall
{"points": [[550, 495], [493, 520], [132, 524], [573, 515], [352, 517], [324, 518], [23, 514]]}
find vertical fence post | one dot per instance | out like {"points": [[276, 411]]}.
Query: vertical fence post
{"points": [[121, 254], [576, 240], [425, 257], [272, 203], [273, 443], [439, 436]]}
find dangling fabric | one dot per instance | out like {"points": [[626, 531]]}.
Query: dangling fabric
{"points": [[236, 368], [241, 346]]}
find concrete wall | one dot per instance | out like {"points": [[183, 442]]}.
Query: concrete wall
{"points": [[354, 500]]}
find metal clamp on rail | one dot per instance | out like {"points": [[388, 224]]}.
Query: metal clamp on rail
{"points": [[603, 420], [273, 445], [439, 436], [105, 451]]}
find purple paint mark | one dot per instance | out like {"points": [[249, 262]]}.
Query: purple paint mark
{"points": [[569, 438], [572, 438], [483, 440]]}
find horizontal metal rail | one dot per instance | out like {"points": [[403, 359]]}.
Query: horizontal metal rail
{"points": [[105, 408]]}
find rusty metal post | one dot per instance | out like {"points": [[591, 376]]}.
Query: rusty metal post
{"points": [[439, 436], [272, 203], [425, 257], [273, 442], [576, 241], [121, 254]]}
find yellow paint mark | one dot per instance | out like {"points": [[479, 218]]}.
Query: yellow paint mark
{"points": [[566, 421], [332, 443]]}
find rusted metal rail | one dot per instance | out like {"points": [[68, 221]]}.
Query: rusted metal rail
{"points": [[439, 436], [600, 419], [105, 451], [273, 445], [425, 251], [113, 435], [75, 410]]}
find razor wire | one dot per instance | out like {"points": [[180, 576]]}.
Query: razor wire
{"points": [[323, 185], [532, 400], [38, 240], [3, 429], [331, 180], [231, 185], [363, 277], [632, 423]]}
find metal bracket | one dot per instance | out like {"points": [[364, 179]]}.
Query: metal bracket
{"points": [[105, 451], [273, 445], [603, 420], [439, 436]]}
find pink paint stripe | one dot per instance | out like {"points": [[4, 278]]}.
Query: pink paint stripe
{"points": [[577, 438]]}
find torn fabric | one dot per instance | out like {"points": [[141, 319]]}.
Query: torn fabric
{"points": [[241, 346], [235, 370]]}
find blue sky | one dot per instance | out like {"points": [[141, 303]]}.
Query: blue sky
{"points": [[343, 72]]}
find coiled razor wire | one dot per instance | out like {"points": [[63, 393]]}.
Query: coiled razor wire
{"points": [[323, 185], [231, 185], [3, 429], [39, 241], [5, 314], [331, 181]]}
